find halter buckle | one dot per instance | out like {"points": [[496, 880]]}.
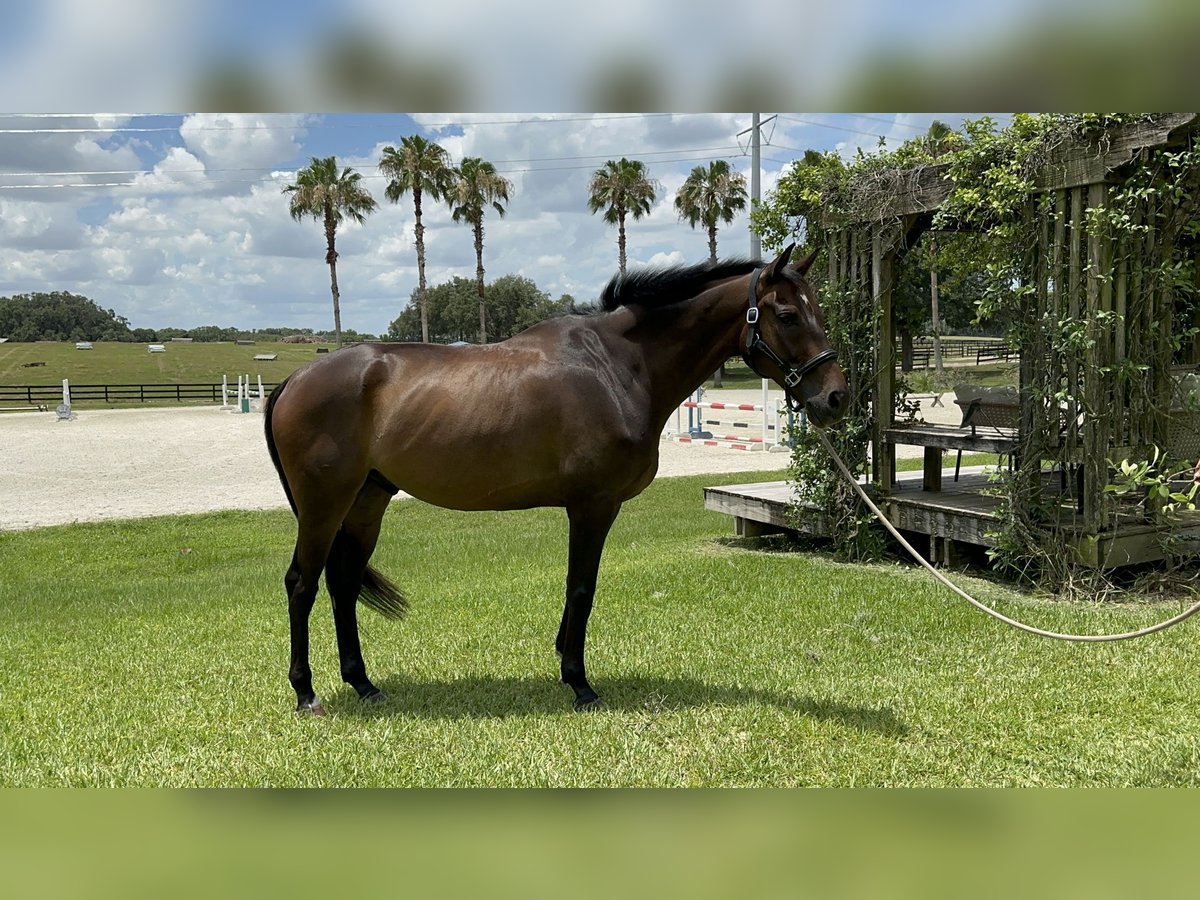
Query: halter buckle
{"points": [[752, 315], [793, 378]]}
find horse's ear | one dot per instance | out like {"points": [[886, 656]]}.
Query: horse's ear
{"points": [[805, 264], [776, 268]]}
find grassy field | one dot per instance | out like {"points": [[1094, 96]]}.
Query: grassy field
{"points": [[154, 652], [117, 363]]}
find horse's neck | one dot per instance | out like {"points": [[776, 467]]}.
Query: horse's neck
{"points": [[684, 344]]}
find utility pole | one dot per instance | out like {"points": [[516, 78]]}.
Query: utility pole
{"points": [[755, 132], [755, 180]]}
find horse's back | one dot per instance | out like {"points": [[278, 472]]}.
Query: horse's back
{"points": [[533, 421]]}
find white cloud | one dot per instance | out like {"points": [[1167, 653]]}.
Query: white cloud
{"points": [[237, 142], [203, 236]]}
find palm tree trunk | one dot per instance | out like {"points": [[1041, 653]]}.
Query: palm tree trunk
{"points": [[331, 258], [479, 280], [621, 239], [719, 375], [420, 233]]}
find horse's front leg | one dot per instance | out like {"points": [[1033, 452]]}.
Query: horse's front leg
{"points": [[590, 525]]}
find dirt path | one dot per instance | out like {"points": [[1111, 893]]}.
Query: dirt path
{"points": [[117, 464], [128, 463]]}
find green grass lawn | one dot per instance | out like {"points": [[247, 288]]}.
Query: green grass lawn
{"points": [[154, 652], [119, 363]]}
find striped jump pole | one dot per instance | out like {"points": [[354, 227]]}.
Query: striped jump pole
{"points": [[768, 412]]}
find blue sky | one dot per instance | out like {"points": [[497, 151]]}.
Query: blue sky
{"points": [[180, 219]]}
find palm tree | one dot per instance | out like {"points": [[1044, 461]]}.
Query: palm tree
{"points": [[321, 192], [621, 188], [477, 186], [709, 196], [422, 167]]}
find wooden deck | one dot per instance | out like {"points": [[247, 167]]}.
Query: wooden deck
{"points": [[961, 513]]}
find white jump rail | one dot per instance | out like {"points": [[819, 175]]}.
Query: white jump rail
{"points": [[770, 428]]}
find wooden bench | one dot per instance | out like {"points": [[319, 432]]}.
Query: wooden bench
{"points": [[936, 439]]}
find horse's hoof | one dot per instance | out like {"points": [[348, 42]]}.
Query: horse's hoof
{"points": [[377, 696], [312, 708], [588, 704]]}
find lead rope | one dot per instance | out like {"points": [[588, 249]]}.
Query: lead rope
{"points": [[1020, 626]]}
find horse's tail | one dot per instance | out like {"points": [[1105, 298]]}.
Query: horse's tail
{"points": [[377, 591], [382, 596], [271, 448]]}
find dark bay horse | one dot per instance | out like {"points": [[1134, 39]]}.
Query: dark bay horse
{"points": [[567, 413]]}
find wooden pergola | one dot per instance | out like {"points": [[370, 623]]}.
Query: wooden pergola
{"points": [[1119, 390]]}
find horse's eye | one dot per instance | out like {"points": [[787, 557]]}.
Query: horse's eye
{"points": [[788, 317]]}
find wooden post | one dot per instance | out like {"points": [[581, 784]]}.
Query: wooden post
{"points": [[1095, 470], [932, 476], [1074, 226], [882, 268]]}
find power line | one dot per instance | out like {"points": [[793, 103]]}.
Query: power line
{"points": [[834, 127], [690, 153], [137, 129], [887, 121], [204, 182]]}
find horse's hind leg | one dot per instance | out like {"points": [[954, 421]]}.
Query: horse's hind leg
{"points": [[302, 580], [347, 563]]}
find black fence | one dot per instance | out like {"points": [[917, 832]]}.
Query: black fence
{"points": [[51, 394], [982, 351]]}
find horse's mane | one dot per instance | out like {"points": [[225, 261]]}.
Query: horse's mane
{"points": [[664, 286]]}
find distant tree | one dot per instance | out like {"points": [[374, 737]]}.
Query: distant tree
{"points": [[419, 167], [477, 185], [329, 197], [514, 303], [518, 303], [450, 314], [621, 188], [60, 316], [711, 195]]}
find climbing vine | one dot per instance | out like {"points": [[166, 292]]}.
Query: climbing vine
{"points": [[1096, 284]]}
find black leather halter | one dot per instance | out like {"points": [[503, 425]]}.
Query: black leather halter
{"points": [[755, 343]]}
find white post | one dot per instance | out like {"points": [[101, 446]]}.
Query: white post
{"points": [[766, 431], [225, 392], [63, 412]]}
